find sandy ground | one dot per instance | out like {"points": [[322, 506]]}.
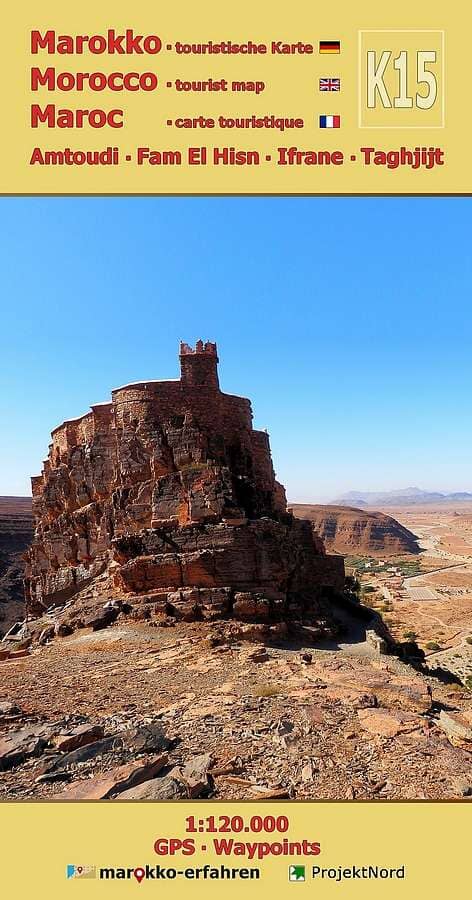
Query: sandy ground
{"points": [[313, 722]]}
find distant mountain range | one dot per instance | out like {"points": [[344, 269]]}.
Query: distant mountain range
{"points": [[409, 496]]}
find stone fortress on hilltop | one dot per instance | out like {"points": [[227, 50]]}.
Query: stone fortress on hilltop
{"points": [[167, 495]]}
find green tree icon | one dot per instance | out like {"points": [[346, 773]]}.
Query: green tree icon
{"points": [[296, 873]]}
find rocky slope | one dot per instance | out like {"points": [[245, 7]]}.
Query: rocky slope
{"points": [[348, 530], [167, 497], [198, 710], [16, 533]]}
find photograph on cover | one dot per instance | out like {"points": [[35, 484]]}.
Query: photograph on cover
{"points": [[236, 499]]}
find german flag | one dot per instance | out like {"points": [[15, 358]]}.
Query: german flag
{"points": [[330, 46]]}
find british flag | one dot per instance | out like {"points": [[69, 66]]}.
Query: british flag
{"points": [[330, 84]]}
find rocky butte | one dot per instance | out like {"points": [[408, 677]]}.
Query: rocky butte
{"points": [[16, 532], [348, 530], [167, 496]]}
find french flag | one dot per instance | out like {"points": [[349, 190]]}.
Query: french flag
{"points": [[330, 121]]}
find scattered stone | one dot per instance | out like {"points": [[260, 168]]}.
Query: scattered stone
{"points": [[408, 694], [378, 786], [146, 739], [314, 715], [101, 619], [7, 709], [457, 728], [248, 606], [376, 642], [365, 701], [19, 632], [283, 727], [18, 654], [18, 746], [124, 778], [234, 779], [258, 656], [116, 604], [46, 635], [142, 614], [388, 722], [462, 786], [232, 767], [307, 772], [63, 629], [52, 777], [167, 788], [195, 775], [271, 793], [63, 761], [78, 737]]}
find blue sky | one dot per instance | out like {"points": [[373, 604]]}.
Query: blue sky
{"points": [[348, 322]]}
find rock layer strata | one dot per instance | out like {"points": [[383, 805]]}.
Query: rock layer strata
{"points": [[168, 492], [16, 533], [348, 530]]}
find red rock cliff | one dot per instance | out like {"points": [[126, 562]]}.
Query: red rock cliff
{"points": [[168, 488], [348, 530]]}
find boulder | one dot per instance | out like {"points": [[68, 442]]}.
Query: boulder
{"points": [[62, 761], [259, 655], [7, 708], [457, 729], [167, 788], [63, 629], [195, 775], [462, 786], [388, 722], [114, 782], [145, 739], [101, 619], [19, 654], [250, 607], [376, 642], [76, 737], [18, 746], [46, 634]]}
